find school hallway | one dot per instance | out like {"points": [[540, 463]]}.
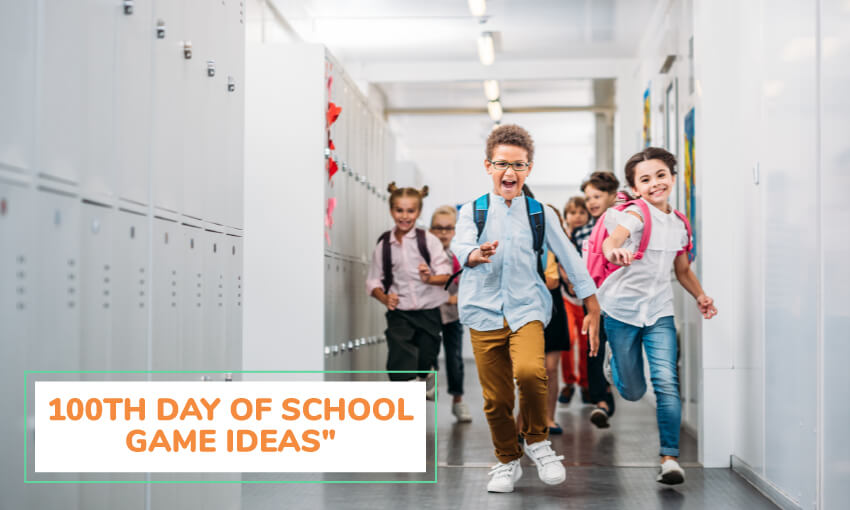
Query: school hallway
{"points": [[612, 468]]}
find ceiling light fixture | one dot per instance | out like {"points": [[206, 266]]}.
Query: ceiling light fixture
{"points": [[486, 49], [494, 109], [491, 90], [477, 7]]}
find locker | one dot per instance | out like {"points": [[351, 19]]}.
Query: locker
{"points": [[130, 277], [133, 101], [212, 174], [170, 73], [16, 309], [55, 343], [233, 304], [166, 296], [191, 300], [96, 287], [17, 100], [97, 124], [62, 96], [234, 74], [213, 285]]}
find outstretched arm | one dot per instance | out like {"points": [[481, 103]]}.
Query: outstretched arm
{"points": [[689, 281]]}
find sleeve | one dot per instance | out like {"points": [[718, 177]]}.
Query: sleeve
{"points": [[373, 277], [615, 218], [551, 270], [557, 242], [466, 235], [440, 262]]}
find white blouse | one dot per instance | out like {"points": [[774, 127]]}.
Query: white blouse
{"points": [[641, 293]]}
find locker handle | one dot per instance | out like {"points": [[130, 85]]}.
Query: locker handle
{"points": [[160, 29], [128, 7], [210, 68], [187, 50], [231, 84]]}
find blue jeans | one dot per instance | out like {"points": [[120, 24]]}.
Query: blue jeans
{"points": [[659, 341], [453, 345]]}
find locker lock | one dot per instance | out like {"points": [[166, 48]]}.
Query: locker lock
{"points": [[128, 7], [327, 351], [350, 345], [231, 84], [210, 68], [335, 350], [228, 377], [327, 152], [160, 29], [356, 343], [342, 347], [350, 171], [345, 168], [187, 50]]}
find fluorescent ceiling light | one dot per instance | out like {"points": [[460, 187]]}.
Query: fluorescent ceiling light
{"points": [[477, 7], [486, 50], [494, 109], [491, 90]]}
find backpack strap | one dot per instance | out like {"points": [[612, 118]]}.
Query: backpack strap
{"points": [[537, 221], [479, 212], [690, 246], [422, 244], [387, 260], [647, 225]]}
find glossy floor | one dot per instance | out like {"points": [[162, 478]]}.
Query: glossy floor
{"points": [[610, 468]]}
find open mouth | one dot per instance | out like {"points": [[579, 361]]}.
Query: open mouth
{"points": [[508, 184], [658, 193]]}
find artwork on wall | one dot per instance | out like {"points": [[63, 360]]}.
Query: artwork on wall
{"points": [[647, 117], [690, 181]]}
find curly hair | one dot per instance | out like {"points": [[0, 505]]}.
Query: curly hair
{"points": [[396, 193], [510, 134], [645, 155]]}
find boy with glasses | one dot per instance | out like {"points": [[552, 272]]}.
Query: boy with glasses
{"points": [[504, 301]]}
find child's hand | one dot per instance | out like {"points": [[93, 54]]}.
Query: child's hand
{"points": [[483, 253], [424, 272], [392, 301], [590, 325], [706, 306], [453, 300], [621, 256]]}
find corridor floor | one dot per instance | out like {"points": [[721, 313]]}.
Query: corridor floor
{"points": [[607, 469]]}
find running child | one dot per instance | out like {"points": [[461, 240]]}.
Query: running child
{"points": [[408, 270], [637, 298], [501, 238]]}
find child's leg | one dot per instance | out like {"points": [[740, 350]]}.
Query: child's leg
{"points": [[526, 352], [567, 357], [452, 347], [582, 348], [552, 359], [402, 352], [428, 327], [659, 340], [492, 356], [624, 340]]}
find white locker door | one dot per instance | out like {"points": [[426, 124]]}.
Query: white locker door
{"points": [[130, 275], [191, 300], [97, 125], [170, 73], [62, 95], [167, 243], [96, 231], [233, 305], [17, 100], [233, 77], [55, 344], [213, 339], [16, 306], [133, 101]]}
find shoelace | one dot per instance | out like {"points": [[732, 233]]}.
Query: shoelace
{"points": [[503, 470], [544, 453]]}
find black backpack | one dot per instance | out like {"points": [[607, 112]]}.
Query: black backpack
{"points": [[387, 258]]}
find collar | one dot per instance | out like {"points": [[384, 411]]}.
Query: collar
{"points": [[411, 234]]}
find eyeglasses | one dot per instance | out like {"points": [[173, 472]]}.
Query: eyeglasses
{"points": [[443, 229], [518, 166]]}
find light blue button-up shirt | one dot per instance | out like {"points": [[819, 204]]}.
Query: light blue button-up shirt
{"points": [[509, 287]]}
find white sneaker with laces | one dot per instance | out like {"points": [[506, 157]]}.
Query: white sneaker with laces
{"points": [[606, 366], [549, 467], [671, 473], [461, 412], [504, 476]]}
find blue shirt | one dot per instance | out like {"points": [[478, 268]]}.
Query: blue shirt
{"points": [[509, 287]]}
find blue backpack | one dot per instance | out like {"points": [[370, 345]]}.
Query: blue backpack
{"points": [[536, 220]]}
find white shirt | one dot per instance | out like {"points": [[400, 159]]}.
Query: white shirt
{"points": [[641, 293]]}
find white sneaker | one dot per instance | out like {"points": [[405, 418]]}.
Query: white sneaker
{"points": [[461, 412], [606, 365], [671, 473], [504, 476], [549, 467]]}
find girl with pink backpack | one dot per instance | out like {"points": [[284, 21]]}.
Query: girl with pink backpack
{"points": [[630, 254]]}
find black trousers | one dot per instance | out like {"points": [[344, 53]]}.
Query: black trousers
{"points": [[413, 340], [598, 388]]}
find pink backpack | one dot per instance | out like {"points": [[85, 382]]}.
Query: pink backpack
{"points": [[597, 265]]}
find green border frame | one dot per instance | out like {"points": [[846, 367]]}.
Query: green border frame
{"points": [[26, 425]]}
